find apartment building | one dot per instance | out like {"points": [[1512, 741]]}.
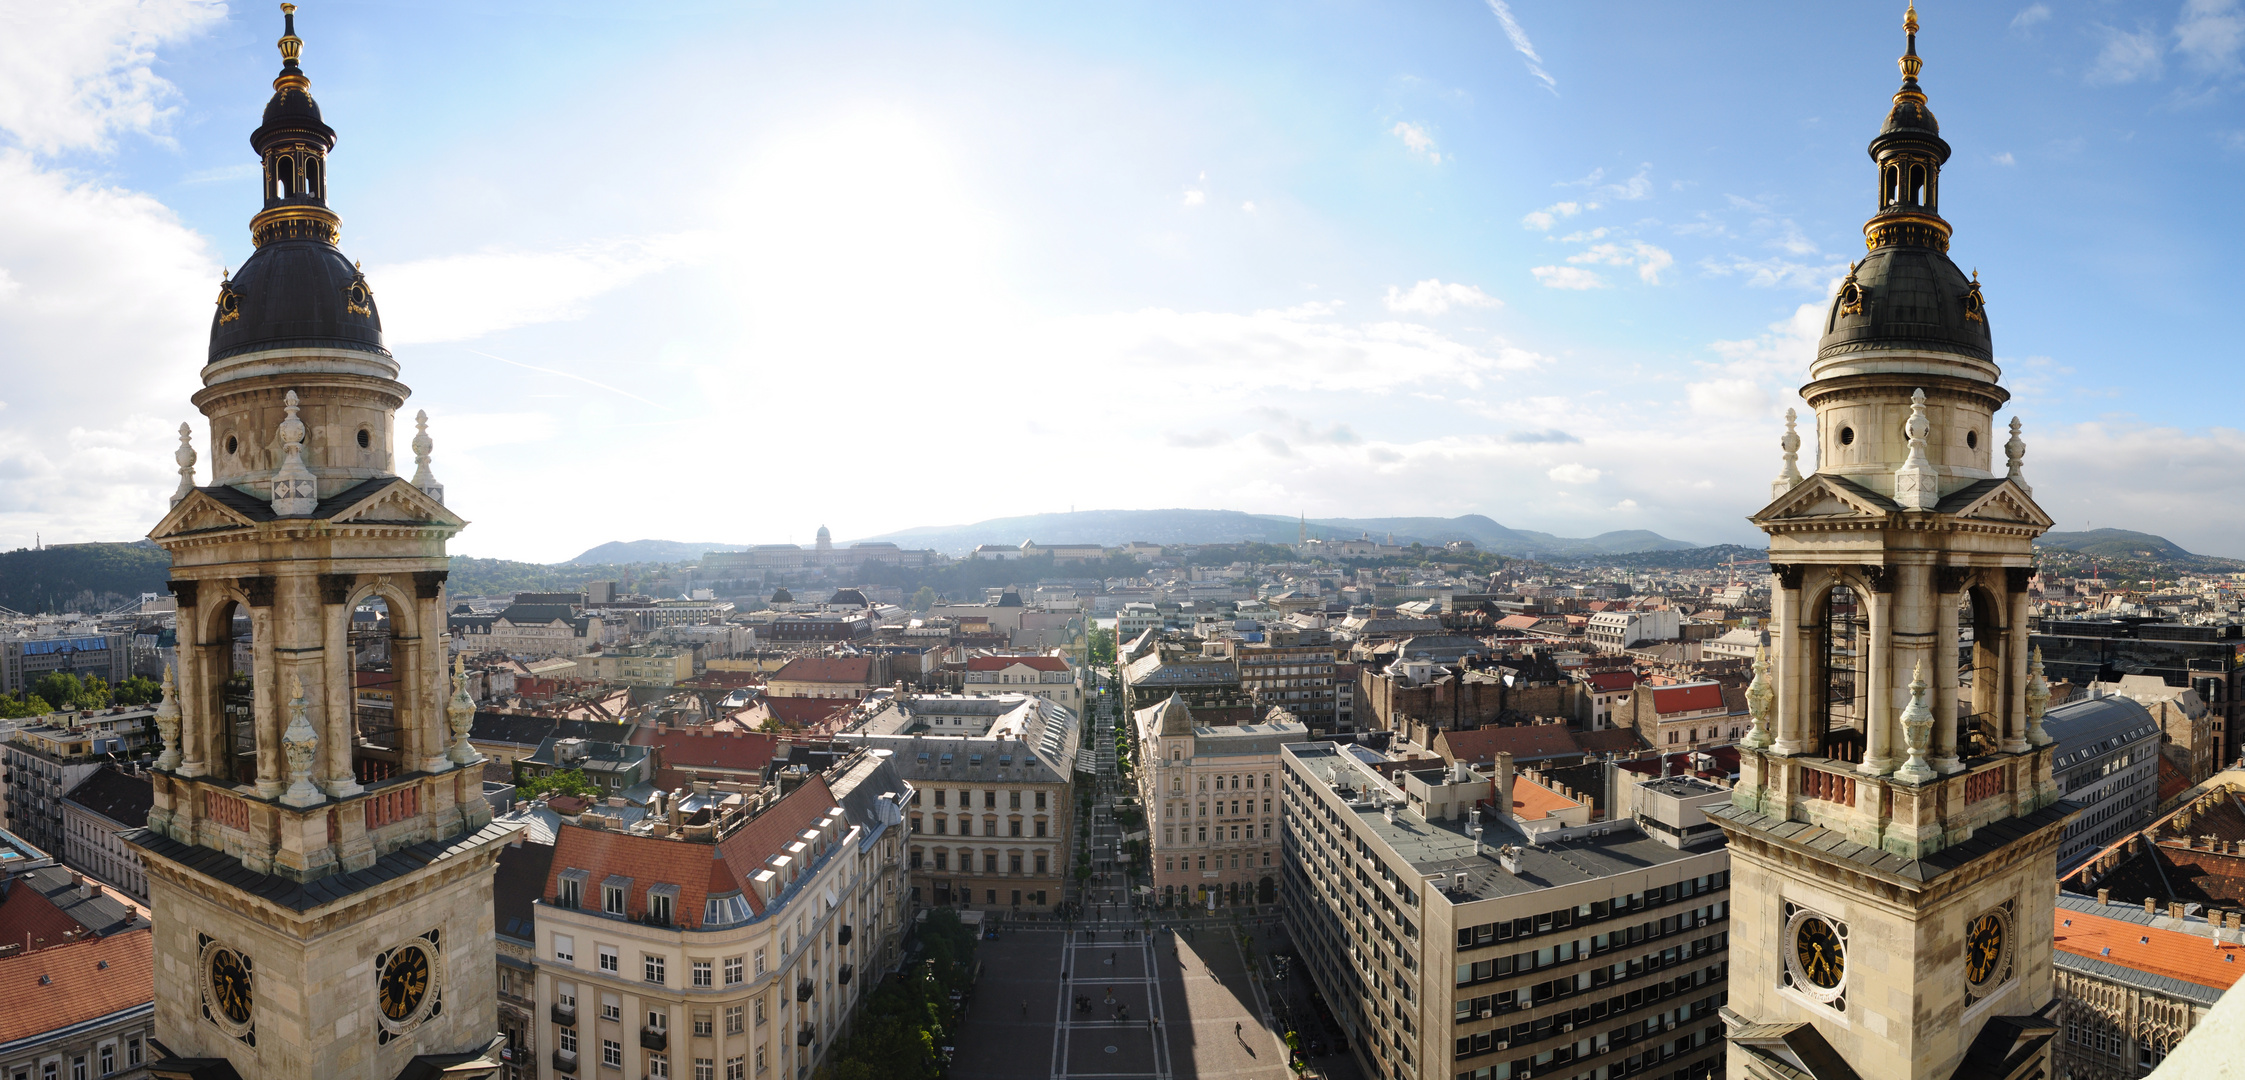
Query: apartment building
{"points": [[1214, 791], [994, 794], [1298, 678], [1455, 940], [44, 761], [95, 816], [729, 933], [1048, 677], [2108, 764]]}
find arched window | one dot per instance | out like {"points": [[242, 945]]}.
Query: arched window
{"points": [[237, 697], [284, 176], [1979, 650], [312, 177], [1917, 185], [1890, 185], [1844, 654]]}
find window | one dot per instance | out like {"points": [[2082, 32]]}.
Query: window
{"points": [[132, 1052], [759, 963], [1204, 862], [942, 825], [734, 1070], [704, 973], [652, 965], [1013, 800], [1040, 804], [78, 1067], [760, 1060], [658, 1067], [1040, 828], [612, 895], [568, 1040], [705, 1069], [942, 860], [989, 862], [915, 823], [608, 961], [1015, 861], [1041, 863], [759, 1010], [611, 1008], [565, 948], [1204, 834], [989, 800], [612, 1053], [108, 1058], [732, 970], [658, 1019], [915, 860], [1016, 830], [659, 905], [732, 1020], [939, 794]]}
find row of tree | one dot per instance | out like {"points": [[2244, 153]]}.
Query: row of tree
{"points": [[61, 690], [902, 1029]]}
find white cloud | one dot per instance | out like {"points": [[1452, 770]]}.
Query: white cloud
{"points": [[2125, 58], [1195, 196], [1574, 473], [2004, 158], [1542, 220], [2030, 15], [1432, 297], [462, 297], [1648, 260], [1417, 140], [1626, 504], [1248, 206], [1521, 43], [74, 75], [1567, 277], [1639, 186], [1773, 273], [2210, 33], [1728, 397]]}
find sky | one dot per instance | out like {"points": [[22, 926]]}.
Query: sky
{"points": [[731, 271]]}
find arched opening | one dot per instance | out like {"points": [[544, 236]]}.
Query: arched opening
{"points": [[1979, 674], [1890, 185], [1842, 675], [312, 177], [377, 698], [284, 176], [237, 696], [1266, 891], [1917, 185]]}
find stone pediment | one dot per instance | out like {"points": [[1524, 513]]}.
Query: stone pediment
{"points": [[1826, 498], [200, 511], [385, 500], [391, 500], [1999, 500]]}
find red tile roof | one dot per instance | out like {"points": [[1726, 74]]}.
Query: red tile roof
{"points": [[855, 670], [2173, 780], [1000, 663], [78, 986], [697, 869], [1532, 801], [2188, 957], [1519, 622], [1609, 681], [1525, 742], [1616, 740], [1691, 697], [806, 711], [27, 917], [697, 748]]}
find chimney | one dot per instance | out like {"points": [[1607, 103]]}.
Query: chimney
{"points": [[2151, 906], [1502, 785]]}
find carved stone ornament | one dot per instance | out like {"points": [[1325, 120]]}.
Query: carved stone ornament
{"points": [[1916, 485], [461, 713], [300, 744], [1952, 579], [167, 722], [335, 589], [295, 489], [422, 444], [1788, 574], [184, 589], [2015, 453], [1917, 732], [1759, 697], [1788, 477], [429, 584], [2017, 578], [185, 456], [257, 590], [2038, 699], [1880, 578]]}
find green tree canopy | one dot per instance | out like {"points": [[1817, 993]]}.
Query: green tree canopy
{"points": [[566, 782]]}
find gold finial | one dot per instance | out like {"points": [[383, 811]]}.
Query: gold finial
{"points": [[1909, 19]]}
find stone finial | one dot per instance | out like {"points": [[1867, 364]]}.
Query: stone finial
{"points": [[167, 722], [460, 712], [185, 456], [1791, 445], [1759, 697], [422, 444], [300, 745], [2015, 452], [1916, 486], [2038, 699], [295, 489], [1917, 732]]}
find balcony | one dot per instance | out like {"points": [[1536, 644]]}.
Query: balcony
{"points": [[803, 990], [803, 1036], [654, 1038], [843, 976], [565, 1015], [565, 1061], [842, 936]]}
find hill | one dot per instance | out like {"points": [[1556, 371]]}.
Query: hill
{"points": [[2115, 544], [649, 551], [81, 577], [1184, 526]]}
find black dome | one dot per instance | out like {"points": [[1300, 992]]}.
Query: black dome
{"points": [[291, 111], [296, 294], [1911, 298]]}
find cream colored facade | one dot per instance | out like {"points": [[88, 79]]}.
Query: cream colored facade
{"points": [[1211, 800], [1884, 813], [615, 993], [638, 665]]}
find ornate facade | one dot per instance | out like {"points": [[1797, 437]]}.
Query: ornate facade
{"points": [[321, 891], [1894, 826]]}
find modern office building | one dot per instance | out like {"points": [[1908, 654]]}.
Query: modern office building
{"points": [[2108, 764], [1453, 938]]}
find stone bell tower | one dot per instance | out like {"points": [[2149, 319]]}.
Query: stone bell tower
{"points": [[1894, 828], [319, 852]]}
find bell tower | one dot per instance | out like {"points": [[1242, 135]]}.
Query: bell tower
{"points": [[319, 852], [1893, 832]]}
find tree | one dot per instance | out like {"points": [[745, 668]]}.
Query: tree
{"points": [[67, 691], [1102, 645], [567, 782], [138, 690], [28, 705], [924, 599]]}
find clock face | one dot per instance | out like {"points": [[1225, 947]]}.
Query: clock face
{"points": [[404, 983], [1984, 940], [230, 984], [1820, 952]]}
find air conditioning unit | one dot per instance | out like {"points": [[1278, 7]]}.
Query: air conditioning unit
{"points": [[1503, 1044]]}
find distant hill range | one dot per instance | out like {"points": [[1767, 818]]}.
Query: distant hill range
{"points": [[650, 551], [1233, 527], [81, 577], [2116, 544]]}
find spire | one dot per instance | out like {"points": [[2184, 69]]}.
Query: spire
{"points": [[293, 144], [295, 489], [1910, 154], [422, 444], [291, 47], [1909, 62]]}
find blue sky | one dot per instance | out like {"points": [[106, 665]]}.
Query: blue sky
{"points": [[732, 271]]}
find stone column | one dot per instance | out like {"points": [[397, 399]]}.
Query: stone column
{"points": [[1879, 742], [429, 686], [2014, 699], [1949, 585], [1792, 700], [265, 671], [194, 712], [338, 721]]}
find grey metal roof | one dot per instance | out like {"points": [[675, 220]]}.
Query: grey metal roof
{"points": [[2086, 728], [304, 896]]}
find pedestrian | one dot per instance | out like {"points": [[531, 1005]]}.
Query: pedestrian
{"points": [[1236, 1026]]}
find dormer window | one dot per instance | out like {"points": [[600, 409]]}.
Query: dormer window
{"points": [[571, 889], [613, 893], [725, 910], [662, 904]]}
